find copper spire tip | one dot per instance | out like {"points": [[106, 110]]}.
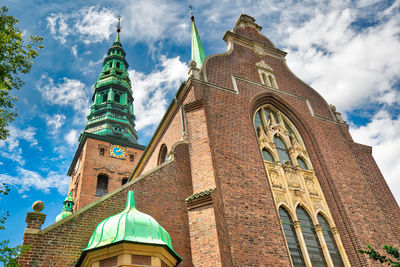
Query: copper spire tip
{"points": [[119, 24], [191, 13]]}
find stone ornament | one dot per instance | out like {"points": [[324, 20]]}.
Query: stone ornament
{"points": [[275, 179], [312, 188], [262, 64]]}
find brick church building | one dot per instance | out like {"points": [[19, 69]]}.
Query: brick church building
{"points": [[249, 166]]}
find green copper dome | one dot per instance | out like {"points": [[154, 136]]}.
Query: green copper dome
{"points": [[130, 225], [67, 209]]}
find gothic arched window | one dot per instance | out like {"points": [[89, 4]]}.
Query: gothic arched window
{"points": [[310, 237], [330, 241], [302, 163], [105, 96], [162, 157], [102, 185], [124, 181], [267, 155], [291, 238], [281, 148]]}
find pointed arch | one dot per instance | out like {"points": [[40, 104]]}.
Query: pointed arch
{"points": [[163, 154], [302, 163], [310, 237], [330, 240], [267, 155], [282, 149], [291, 237]]}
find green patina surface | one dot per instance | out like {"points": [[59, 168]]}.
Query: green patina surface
{"points": [[129, 225], [198, 54], [67, 209], [111, 113]]}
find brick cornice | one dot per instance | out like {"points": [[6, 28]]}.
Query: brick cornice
{"points": [[194, 105], [199, 199]]}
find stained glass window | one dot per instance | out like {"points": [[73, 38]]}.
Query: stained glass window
{"points": [[330, 241], [310, 238], [257, 120], [267, 155], [282, 150], [291, 238], [302, 163]]}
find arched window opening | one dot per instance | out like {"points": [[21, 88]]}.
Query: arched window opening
{"points": [[271, 80], [102, 185], [257, 120], [105, 97], [163, 154], [117, 97], [330, 241], [265, 79], [117, 65], [267, 155], [131, 157], [124, 181], [302, 163], [291, 238], [283, 152], [310, 238], [102, 151]]}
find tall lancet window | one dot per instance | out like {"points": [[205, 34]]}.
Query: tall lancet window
{"points": [[330, 241], [310, 237], [282, 150], [291, 238], [295, 187]]}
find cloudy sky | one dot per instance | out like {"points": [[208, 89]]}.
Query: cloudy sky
{"points": [[347, 50]]}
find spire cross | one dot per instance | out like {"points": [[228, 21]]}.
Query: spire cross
{"points": [[191, 13], [119, 24]]}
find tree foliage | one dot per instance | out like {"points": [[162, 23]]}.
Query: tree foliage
{"points": [[376, 256], [8, 255], [16, 54]]}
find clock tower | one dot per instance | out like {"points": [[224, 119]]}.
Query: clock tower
{"points": [[108, 149]]}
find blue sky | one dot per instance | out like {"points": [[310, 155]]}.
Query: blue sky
{"points": [[347, 50]]}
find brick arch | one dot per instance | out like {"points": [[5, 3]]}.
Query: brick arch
{"points": [[320, 167]]}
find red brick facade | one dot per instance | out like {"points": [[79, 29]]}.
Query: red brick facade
{"points": [[230, 217], [95, 160]]}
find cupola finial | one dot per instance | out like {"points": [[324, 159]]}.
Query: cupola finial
{"points": [[191, 13], [118, 29]]}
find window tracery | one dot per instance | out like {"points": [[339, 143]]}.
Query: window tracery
{"points": [[293, 182]]}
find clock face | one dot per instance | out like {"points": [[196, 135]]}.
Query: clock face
{"points": [[118, 152]]}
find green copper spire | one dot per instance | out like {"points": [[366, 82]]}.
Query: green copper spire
{"points": [[111, 113], [198, 54], [67, 209], [130, 225]]}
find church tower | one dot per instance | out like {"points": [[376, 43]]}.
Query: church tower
{"points": [[108, 149]]}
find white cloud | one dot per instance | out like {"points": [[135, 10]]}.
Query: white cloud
{"points": [[150, 91], [11, 146], [25, 180], [55, 122], [348, 67], [74, 50], [95, 24], [90, 25], [68, 92], [58, 27], [383, 134], [72, 137], [147, 21]]}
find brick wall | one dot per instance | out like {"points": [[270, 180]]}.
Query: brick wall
{"points": [[84, 180], [160, 194]]}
